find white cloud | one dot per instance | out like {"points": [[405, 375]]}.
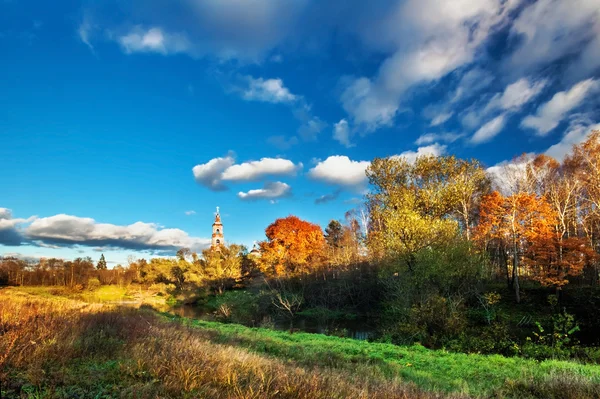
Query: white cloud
{"points": [[84, 32], [577, 132], [240, 30], [441, 118], [510, 101], [341, 133], [10, 233], [215, 172], [254, 170], [340, 170], [430, 138], [518, 94], [189, 213], [274, 91], [489, 130], [434, 150], [550, 114], [154, 40], [268, 90], [210, 173], [429, 38], [270, 190], [508, 176], [68, 230], [549, 30]]}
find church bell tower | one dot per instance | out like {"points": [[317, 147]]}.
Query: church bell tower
{"points": [[217, 232]]}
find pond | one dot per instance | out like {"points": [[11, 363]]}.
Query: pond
{"points": [[351, 328]]}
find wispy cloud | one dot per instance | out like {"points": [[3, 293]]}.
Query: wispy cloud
{"points": [[550, 114]]}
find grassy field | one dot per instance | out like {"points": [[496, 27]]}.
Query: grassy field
{"points": [[53, 346]]}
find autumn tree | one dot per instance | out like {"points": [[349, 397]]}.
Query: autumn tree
{"points": [[585, 162], [411, 205], [293, 246], [223, 268], [516, 221]]}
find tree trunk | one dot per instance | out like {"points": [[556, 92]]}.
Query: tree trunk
{"points": [[516, 272]]}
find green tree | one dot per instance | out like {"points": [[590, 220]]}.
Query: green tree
{"points": [[101, 265], [411, 206], [333, 233]]}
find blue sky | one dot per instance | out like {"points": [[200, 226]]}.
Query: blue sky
{"points": [[124, 124]]}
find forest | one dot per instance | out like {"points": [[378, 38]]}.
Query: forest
{"points": [[443, 253]]}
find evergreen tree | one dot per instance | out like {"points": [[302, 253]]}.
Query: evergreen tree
{"points": [[333, 233], [101, 263]]}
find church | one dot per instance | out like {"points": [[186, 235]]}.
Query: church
{"points": [[217, 233]]}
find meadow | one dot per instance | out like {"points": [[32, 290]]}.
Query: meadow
{"points": [[54, 346]]}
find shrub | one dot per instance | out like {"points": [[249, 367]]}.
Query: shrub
{"points": [[93, 284]]}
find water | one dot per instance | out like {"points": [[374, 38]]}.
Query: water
{"points": [[356, 329]]}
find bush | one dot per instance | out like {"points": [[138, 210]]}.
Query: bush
{"points": [[93, 284]]}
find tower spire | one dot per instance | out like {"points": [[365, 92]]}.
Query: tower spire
{"points": [[217, 234]]}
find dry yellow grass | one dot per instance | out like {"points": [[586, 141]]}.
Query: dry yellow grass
{"points": [[67, 348]]}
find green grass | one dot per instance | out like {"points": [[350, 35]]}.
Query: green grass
{"points": [[105, 341], [432, 370]]}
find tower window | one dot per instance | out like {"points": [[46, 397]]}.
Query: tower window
{"points": [[218, 231], [218, 241]]}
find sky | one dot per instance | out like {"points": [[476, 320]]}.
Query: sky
{"points": [[123, 125]]}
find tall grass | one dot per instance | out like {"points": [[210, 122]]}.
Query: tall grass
{"points": [[54, 347], [67, 348]]}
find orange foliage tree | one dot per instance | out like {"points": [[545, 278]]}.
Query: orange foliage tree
{"points": [[293, 246], [516, 221]]}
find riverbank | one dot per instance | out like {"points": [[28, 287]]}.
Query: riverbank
{"points": [[59, 347]]}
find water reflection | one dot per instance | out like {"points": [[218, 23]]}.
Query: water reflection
{"points": [[356, 329]]}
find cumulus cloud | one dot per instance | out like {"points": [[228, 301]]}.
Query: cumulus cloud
{"points": [[430, 138], [154, 40], [341, 133], [215, 172], [254, 170], [489, 130], [68, 230], [210, 173], [434, 150], [267, 90], [270, 191], [550, 114], [340, 170], [9, 232]]}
